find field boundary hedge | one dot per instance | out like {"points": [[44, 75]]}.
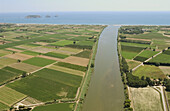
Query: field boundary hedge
{"points": [[157, 64]]}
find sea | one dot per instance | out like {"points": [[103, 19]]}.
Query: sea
{"points": [[93, 18]]}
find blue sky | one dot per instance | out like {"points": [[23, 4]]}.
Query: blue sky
{"points": [[83, 5]]}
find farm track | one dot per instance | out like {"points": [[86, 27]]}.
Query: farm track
{"points": [[146, 60], [138, 54], [163, 97]]}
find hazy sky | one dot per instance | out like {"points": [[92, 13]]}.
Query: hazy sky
{"points": [[83, 5]]}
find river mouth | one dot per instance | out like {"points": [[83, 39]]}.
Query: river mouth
{"points": [[105, 91]]}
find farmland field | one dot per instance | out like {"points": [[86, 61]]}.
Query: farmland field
{"points": [[131, 48], [57, 55], [6, 76], [9, 96], [19, 56], [4, 61], [145, 55], [67, 50], [165, 69], [167, 52], [48, 84], [162, 58], [62, 43], [129, 52], [67, 70], [136, 45], [72, 66], [84, 54], [70, 49], [36, 61], [61, 77], [43, 63], [24, 67], [13, 70], [55, 107], [132, 64], [77, 60], [85, 43], [146, 99], [3, 107], [30, 53], [149, 71], [4, 52], [128, 55]]}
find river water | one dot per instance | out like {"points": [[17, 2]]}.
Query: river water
{"points": [[106, 88]]}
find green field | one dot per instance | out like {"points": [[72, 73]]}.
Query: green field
{"points": [[162, 58], [13, 70], [167, 52], [57, 55], [135, 44], [129, 52], [55, 107], [70, 49], [80, 38], [148, 53], [3, 107], [71, 66], [30, 53], [38, 61], [9, 96], [84, 54], [62, 43], [128, 55], [131, 48], [145, 55], [61, 77], [133, 64], [157, 38], [85, 43], [6, 76], [33, 45], [149, 71], [151, 35], [48, 84]]}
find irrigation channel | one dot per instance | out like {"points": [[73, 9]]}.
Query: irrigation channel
{"points": [[106, 88]]}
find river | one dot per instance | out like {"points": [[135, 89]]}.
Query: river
{"points": [[106, 88]]}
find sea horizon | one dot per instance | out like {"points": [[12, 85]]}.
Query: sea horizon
{"points": [[90, 17]]}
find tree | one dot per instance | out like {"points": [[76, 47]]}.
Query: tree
{"points": [[142, 78], [19, 60], [92, 65], [126, 105], [148, 79]]}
